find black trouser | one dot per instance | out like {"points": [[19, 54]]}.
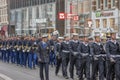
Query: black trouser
{"points": [[113, 69], [84, 66], [98, 66], [58, 64], [42, 67], [65, 61], [74, 60]]}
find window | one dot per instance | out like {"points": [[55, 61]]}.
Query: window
{"points": [[37, 12], [104, 23], [98, 4], [112, 22], [97, 23], [105, 3], [113, 3]]}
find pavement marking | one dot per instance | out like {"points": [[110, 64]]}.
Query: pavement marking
{"points": [[5, 77]]}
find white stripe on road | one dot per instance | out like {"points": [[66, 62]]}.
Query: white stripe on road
{"points": [[5, 77]]}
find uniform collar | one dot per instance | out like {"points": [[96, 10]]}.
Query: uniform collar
{"points": [[85, 43], [98, 43], [76, 41], [114, 41]]}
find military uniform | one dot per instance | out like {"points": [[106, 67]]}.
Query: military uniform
{"points": [[84, 51], [4, 51], [74, 56], [43, 58], [52, 52], [113, 60], [12, 51], [98, 61], [30, 43], [65, 57], [34, 51], [58, 55]]}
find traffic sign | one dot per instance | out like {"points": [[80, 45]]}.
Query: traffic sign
{"points": [[76, 18], [62, 16]]}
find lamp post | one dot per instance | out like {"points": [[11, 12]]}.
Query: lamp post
{"points": [[89, 25]]}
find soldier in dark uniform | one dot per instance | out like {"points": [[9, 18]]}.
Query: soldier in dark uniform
{"points": [[65, 55], [13, 50], [84, 51], [43, 57], [25, 54], [19, 55], [113, 58], [52, 43], [58, 54], [98, 61], [74, 56], [30, 43], [0, 49], [34, 52], [8, 50], [5, 50]]}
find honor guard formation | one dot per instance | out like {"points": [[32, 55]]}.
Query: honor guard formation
{"points": [[78, 57]]}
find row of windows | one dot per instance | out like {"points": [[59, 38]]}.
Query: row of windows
{"points": [[3, 19], [3, 2], [3, 11], [104, 4], [25, 3], [105, 23], [35, 12]]}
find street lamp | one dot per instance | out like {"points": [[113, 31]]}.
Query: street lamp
{"points": [[90, 25]]}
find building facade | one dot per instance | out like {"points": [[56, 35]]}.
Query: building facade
{"points": [[4, 19], [3, 12], [105, 16], [33, 16], [80, 13]]}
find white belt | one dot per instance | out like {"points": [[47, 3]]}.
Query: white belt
{"points": [[115, 56], [100, 55], [97, 55], [23, 50], [103, 55], [28, 50], [18, 49], [75, 53], [4, 48], [65, 51], [13, 50], [85, 54]]}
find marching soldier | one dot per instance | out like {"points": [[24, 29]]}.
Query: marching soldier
{"points": [[65, 55], [4, 50], [98, 61], [43, 57], [24, 50], [19, 52], [84, 51], [113, 58], [29, 45], [74, 56], [58, 54], [13, 50], [34, 51], [0, 49], [52, 43]]}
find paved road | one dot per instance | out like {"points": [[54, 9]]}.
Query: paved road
{"points": [[20, 73]]}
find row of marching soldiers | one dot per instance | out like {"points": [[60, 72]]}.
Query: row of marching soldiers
{"points": [[92, 58], [19, 50]]}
